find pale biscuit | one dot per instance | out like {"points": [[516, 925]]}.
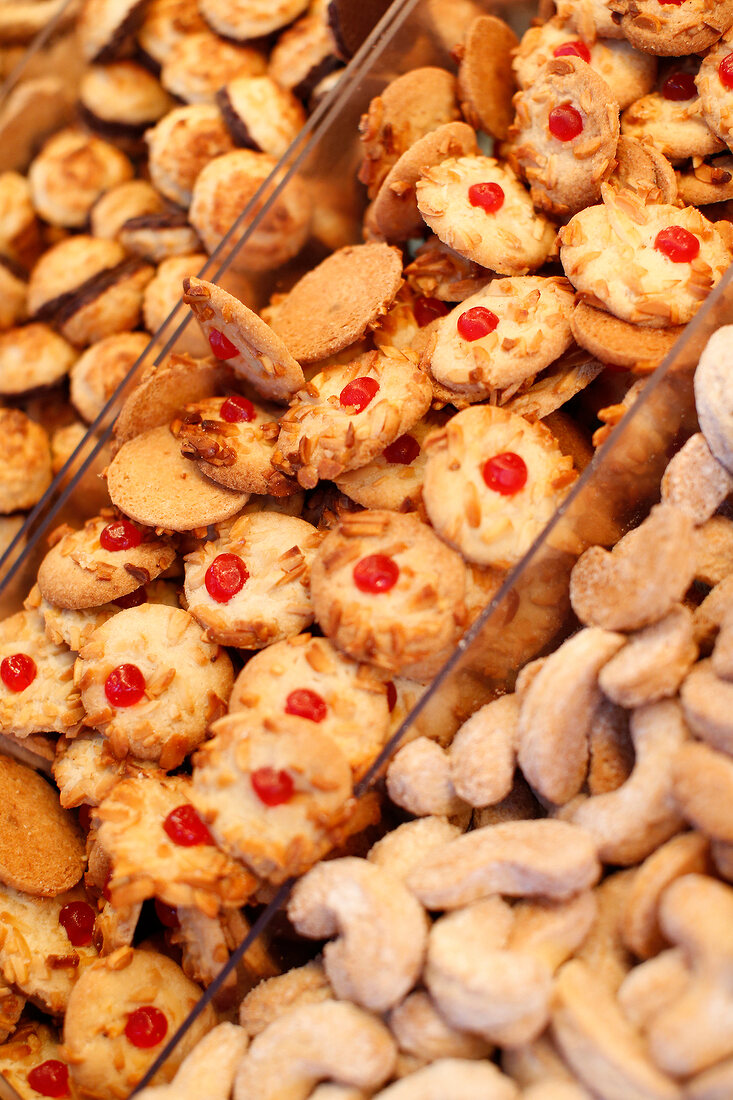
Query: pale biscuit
{"points": [[678, 128], [182, 144], [273, 603], [485, 80], [387, 591], [716, 98], [608, 253], [260, 114], [25, 461], [74, 626], [243, 19], [70, 173], [673, 29], [198, 64], [186, 681], [488, 527], [98, 372], [706, 181], [590, 18], [86, 770], [32, 1044], [163, 388], [50, 702], [621, 343], [164, 23]]}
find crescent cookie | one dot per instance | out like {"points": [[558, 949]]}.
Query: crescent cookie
{"points": [[565, 135], [493, 481], [346, 416], [716, 97], [528, 323], [613, 254], [152, 683], [250, 586], [387, 591], [37, 692], [672, 30], [307, 678], [509, 237], [138, 834], [677, 127]]}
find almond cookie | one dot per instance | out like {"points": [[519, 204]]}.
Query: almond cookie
{"points": [[346, 416], [86, 770], [74, 627], [178, 497], [163, 388], [307, 678], [565, 135], [237, 336], [387, 591], [652, 265], [274, 794], [590, 18], [70, 173], [25, 461], [507, 333], [98, 372], [182, 144], [37, 693], [640, 167], [492, 483], [199, 63], [250, 586], [672, 117], [671, 30], [620, 343], [30, 1047], [706, 181], [485, 80], [31, 356], [715, 85], [259, 114], [105, 559], [555, 387], [151, 683], [437, 272]]}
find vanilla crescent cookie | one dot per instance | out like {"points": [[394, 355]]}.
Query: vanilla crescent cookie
{"points": [[239, 337], [387, 591], [346, 416], [152, 683], [274, 793], [478, 207], [105, 559], [565, 134], [493, 481], [507, 333], [675, 29], [160, 848], [307, 677], [250, 586], [37, 692], [652, 265], [715, 85]]}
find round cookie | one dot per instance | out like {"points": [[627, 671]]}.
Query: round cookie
{"points": [[387, 591], [243, 19], [439, 272], [673, 30], [610, 256], [74, 627], [86, 770], [70, 173], [30, 1046], [131, 199], [485, 80], [259, 114], [164, 23], [105, 26], [33, 355], [42, 850], [157, 237], [677, 127], [163, 295], [120, 100], [199, 63], [105, 559], [36, 695], [151, 683], [706, 182], [98, 372], [182, 144], [620, 343], [716, 97], [163, 388], [272, 602], [68, 267], [493, 513], [591, 19], [642, 168], [304, 55], [150, 481], [25, 461]]}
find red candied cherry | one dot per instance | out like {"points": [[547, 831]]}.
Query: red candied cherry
{"points": [[575, 48], [428, 309], [124, 686], [306, 704], [226, 576], [221, 347], [679, 86], [185, 828], [391, 696], [476, 322], [237, 409], [670, 3], [50, 1078], [359, 393], [272, 787], [677, 244], [565, 122], [166, 914], [146, 1026], [120, 535], [376, 573], [403, 451], [132, 599], [77, 920], [489, 196], [505, 473], [18, 671], [725, 71]]}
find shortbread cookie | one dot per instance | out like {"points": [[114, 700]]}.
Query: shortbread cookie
{"points": [[346, 416], [651, 265], [307, 678], [237, 336], [706, 181], [672, 118], [98, 372], [159, 847], [163, 388], [86, 770], [565, 135], [347, 293], [178, 497], [107, 558], [387, 591], [250, 586], [123, 1009], [182, 144], [259, 114], [620, 343], [42, 849], [492, 483], [37, 693], [70, 173], [31, 356], [151, 683], [715, 85], [671, 30], [198, 64], [507, 333], [274, 794], [25, 461], [485, 79]]}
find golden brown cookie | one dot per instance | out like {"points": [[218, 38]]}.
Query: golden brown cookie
{"points": [[621, 343], [32, 355], [259, 114], [98, 372], [672, 29], [672, 116], [199, 63], [485, 80], [37, 694], [706, 181], [175, 381], [25, 461], [182, 144], [71, 172]]}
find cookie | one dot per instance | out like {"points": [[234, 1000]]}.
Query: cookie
{"points": [[346, 416], [86, 770], [20, 236], [590, 18], [119, 100], [74, 627], [197, 64], [304, 54], [163, 388], [438, 272], [492, 482], [37, 694], [13, 298], [70, 173], [672, 118], [30, 1046], [25, 461], [706, 181], [100, 369], [555, 387], [259, 114], [182, 144], [643, 169], [107, 26], [620, 343], [250, 586], [485, 80], [131, 199], [164, 23], [671, 30], [157, 237], [387, 591], [243, 19], [178, 497], [152, 683], [239, 337], [713, 84]]}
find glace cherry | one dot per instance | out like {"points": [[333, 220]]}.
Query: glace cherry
{"points": [[679, 87], [274, 788], [359, 393], [306, 704], [120, 535], [505, 473], [489, 196], [476, 322], [166, 914], [221, 347], [237, 409], [677, 244], [403, 451], [77, 920], [124, 686], [565, 122], [572, 49], [185, 828], [50, 1078], [376, 573], [135, 598], [226, 576], [18, 671], [427, 309], [146, 1027]]}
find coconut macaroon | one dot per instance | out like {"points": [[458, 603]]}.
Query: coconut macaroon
{"points": [[478, 207], [182, 144], [165, 22], [200, 63], [304, 54], [25, 461], [243, 19], [31, 356], [492, 483], [20, 235], [98, 372], [260, 114], [106, 27], [650, 264], [13, 297], [70, 173], [121, 99], [163, 294], [131, 199]]}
